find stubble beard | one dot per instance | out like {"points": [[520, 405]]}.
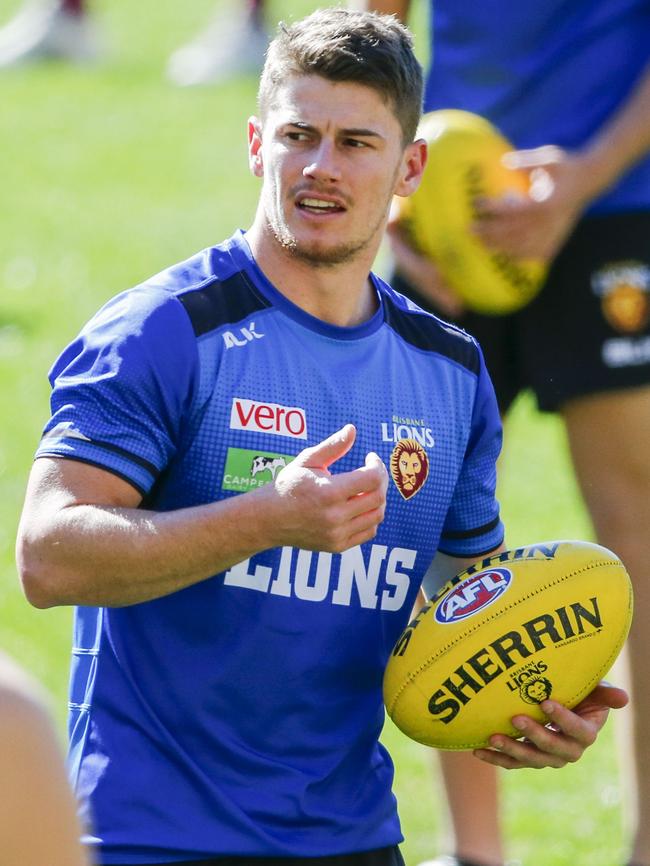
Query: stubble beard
{"points": [[317, 254]]}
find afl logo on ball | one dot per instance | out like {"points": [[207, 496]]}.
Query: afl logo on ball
{"points": [[473, 594]]}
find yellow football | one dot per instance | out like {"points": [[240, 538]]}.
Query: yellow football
{"points": [[534, 622], [464, 162]]}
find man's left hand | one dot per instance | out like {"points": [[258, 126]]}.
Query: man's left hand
{"points": [[562, 740]]}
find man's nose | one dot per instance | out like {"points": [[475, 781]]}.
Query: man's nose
{"points": [[324, 164]]}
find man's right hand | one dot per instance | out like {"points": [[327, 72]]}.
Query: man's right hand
{"points": [[315, 510]]}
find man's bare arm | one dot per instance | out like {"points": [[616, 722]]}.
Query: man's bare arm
{"points": [[84, 540]]}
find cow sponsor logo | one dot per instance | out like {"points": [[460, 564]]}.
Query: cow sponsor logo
{"points": [[268, 418], [247, 470], [473, 594], [409, 467], [623, 289], [242, 337]]}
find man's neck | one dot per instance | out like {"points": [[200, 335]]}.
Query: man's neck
{"points": [[340, 294]]}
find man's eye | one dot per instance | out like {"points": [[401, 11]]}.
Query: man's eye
{"points": [[297, 136], [355, 142]]}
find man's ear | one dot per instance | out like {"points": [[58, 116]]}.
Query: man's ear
{"points": [[255, 146], [413, 163]]}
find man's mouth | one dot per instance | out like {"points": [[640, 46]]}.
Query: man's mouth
{"points": [[319, 205]]}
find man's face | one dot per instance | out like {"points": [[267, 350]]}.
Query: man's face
{"points": [[410, 467], [331, 157]]}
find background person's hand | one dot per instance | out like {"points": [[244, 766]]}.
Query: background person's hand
{"points": [[562, 740], [536, 226], [316, 510], [423, 275]]}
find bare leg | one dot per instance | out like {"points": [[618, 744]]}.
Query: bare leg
{"points": [[609, 436], [472, 794], [233, 43]]}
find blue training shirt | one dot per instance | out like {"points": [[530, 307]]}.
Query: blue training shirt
{"points": [[241, 716], [548, 72]]}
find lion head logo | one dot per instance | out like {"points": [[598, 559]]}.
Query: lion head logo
{"points": [[535, 690], [409, 467]]}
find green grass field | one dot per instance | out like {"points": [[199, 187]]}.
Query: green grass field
{"points": [[110, 174]]}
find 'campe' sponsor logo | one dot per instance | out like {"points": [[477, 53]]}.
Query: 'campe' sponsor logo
{"points": [[473, 594], [268, 418]]}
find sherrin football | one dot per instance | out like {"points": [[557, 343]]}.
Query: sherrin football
{"points": [[464, 162], [534, 622]]}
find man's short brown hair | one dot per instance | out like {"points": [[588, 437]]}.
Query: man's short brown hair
{"points": [[346, 46]]}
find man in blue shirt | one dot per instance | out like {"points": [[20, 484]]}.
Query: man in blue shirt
{"points": [[569, 85], [211, 491]]}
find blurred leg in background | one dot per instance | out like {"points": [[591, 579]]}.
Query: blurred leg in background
{"points": [[49, 29], [38, 822], [233, 43], [608, 436]]}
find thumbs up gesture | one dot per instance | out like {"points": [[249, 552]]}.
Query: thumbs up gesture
{"points": [[316, 510]]}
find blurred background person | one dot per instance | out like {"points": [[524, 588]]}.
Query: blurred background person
{"points": [[232, 43], [49, 29], [38, 824], [569, 83]]}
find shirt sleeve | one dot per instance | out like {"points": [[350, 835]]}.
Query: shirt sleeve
{"points": [[473, 525], [120, 390]]}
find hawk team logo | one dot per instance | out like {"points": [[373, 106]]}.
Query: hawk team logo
{"points": [[409, 467], [623, 289]]}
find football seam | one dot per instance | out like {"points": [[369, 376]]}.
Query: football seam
{"points": [[444, 649]]}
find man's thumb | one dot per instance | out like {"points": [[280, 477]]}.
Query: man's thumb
{"points": [[322, 456]]}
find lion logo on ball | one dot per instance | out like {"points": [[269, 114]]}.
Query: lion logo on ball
{"points": [[535, 690], [409, 467]]}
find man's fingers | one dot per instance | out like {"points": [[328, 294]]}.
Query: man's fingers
{"points": [[516, 755], [562, 741], [366, 479], [322, 456], [363, 503], [373, 460]]}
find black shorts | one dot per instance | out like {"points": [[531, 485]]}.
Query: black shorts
{"points": [[588, 330], [378, 857]]}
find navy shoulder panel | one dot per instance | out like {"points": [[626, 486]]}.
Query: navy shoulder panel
{"points": [[221, 302], [424, 331]]}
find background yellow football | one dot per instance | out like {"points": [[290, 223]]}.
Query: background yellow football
{"points": [[534, 622], [464, 162]]}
